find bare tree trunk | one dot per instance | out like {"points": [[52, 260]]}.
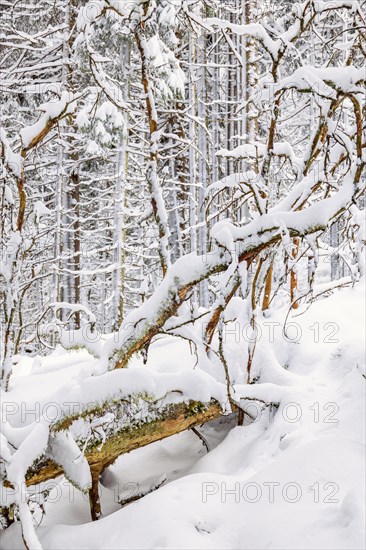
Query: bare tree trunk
{"points": [[157, 202], [94, 498], [75, 197], [268, 288], [202, 160], [293, 276]]}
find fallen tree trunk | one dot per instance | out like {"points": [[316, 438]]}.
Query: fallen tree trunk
{"points": [[101, 453], [172, 419]]}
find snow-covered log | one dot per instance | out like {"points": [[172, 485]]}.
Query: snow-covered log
{"points": [[105, 446], [81, 446]]}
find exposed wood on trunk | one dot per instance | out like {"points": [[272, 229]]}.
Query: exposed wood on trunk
{"points": [[293, 276], [212, 324], [176, 418], [174, 295], [94, 498], [268, 288]]}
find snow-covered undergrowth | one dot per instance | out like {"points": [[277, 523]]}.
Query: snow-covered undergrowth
{"points": [[291, 478]]}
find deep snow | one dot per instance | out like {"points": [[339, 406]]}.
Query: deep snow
{"points": [[293, 478]]}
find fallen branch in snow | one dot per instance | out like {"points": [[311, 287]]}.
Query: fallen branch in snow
{"points": [[99, 438], [200, 436], [141, 495], [102, 450]]}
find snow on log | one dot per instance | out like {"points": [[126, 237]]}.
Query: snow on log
{"points": [[102, 446], [230, 242], [105, 416]]}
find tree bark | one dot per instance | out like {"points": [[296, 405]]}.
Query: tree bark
{"points": [[268, 288], [174, 419], [293, 276]]}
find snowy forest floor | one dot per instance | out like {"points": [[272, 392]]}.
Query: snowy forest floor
{"points": [[293, 478]]}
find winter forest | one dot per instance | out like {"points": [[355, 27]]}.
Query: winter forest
{"points": [[182, 277]]}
